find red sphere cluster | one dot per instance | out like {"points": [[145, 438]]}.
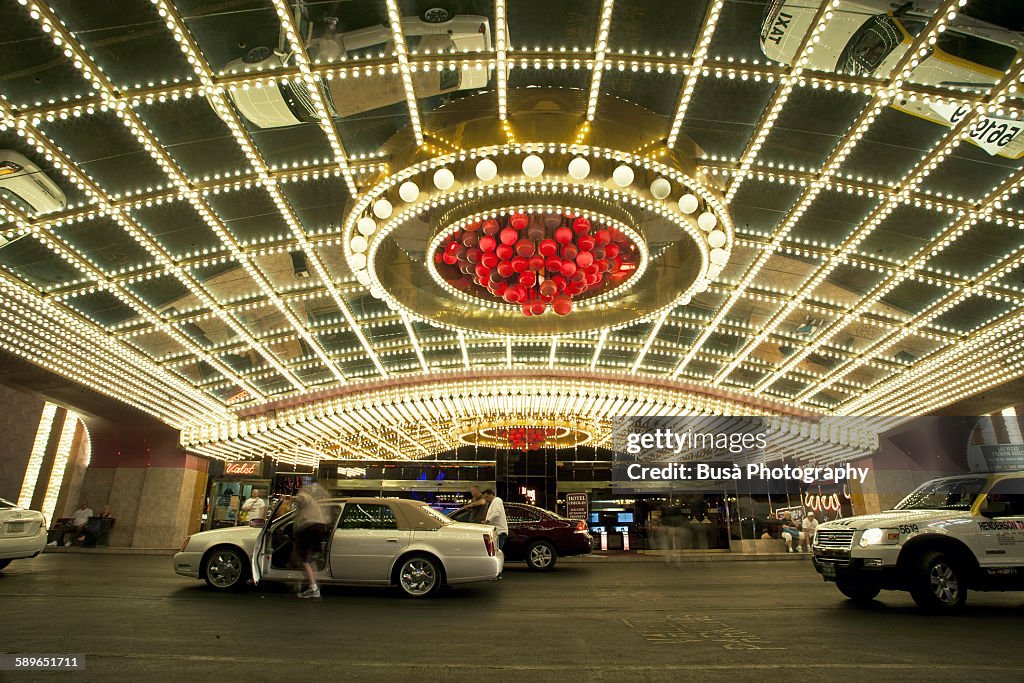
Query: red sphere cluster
{"points": [[536, 260], [526, 438]]}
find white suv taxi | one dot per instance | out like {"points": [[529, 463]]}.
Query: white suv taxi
{"points": [[950, 535]]}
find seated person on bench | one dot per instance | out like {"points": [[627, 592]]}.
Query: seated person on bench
{"points": [[67, 533]]}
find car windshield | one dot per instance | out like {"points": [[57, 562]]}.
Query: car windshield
{"points": [[944, 494], [869, 46], [443, 519]]}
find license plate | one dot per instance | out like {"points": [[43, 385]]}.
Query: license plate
{"points": [[15, 527], [828, 570]]}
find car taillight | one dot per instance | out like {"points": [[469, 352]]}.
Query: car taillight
{"points": [[489, 544], [582, 526], [185, 544]]}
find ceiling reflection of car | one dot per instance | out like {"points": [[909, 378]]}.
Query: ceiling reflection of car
{"points": [[870, 37], [290, 103]]}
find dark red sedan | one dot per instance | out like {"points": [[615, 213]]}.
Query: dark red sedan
{"points": [[537, 536]]}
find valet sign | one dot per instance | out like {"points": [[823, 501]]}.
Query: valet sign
{"points": [[250, 468]]}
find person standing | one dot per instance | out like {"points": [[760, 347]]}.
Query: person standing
{"points": [[478, 505], [810, 527], [255, 508], [310, 528], [496, 517]]}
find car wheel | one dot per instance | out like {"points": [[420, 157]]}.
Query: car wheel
{"points": [[939, 583], [541, 556], [858, 592], [3, 564], [436, 15], [420, 576], [257, 55], [226, 569]]}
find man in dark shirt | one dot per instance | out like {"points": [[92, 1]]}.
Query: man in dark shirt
{"points": [[478, 505]]}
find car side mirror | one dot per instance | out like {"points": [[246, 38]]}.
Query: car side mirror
{"points": [[995, 508]]}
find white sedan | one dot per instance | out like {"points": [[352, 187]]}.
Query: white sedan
{"points": [[22, 532], [370, 541]]}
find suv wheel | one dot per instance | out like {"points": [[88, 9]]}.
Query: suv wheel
{"points": [[541, 556], [436, 15], [257, 55], [226, 569], [858, 592], [939, 583]]}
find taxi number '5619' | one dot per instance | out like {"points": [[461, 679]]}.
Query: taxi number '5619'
{"points": [[908, 528]]}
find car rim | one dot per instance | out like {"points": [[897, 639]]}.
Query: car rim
{"points": [[418, 577], [436, 15], [945, 585], [540, 556], [257, 54], [224, 569]]}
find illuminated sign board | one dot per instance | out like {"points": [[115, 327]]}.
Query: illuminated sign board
{"points": [[249, 468]]}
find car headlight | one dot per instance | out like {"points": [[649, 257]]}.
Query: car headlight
{"points": [[879, 537]]}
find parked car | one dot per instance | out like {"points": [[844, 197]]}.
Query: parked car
{"points": [[21, 177], [869, 37], [950, 535], [22, 532], [371, 541], [437, 30], [539, 537]]}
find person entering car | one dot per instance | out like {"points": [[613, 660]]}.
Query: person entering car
{"points": [[310, 527], [479, 505], [496, 517]]}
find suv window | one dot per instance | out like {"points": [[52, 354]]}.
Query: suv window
{"points": [[1010, 491], [367, 516], [944, 494]]}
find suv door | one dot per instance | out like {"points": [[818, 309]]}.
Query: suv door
{"points": [[1002, 538], [366, 542]]}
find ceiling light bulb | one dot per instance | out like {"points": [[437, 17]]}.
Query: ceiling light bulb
{"points": [[357, 261], [443, 179], [623, 176], [719, 257], [661, 188], [366, 226], [579, 168], [376, 292], [685, 300], [700, 285], [382, 208], [486, 170], [688, 203], [716, 238], [363, 277], [707, 221], [359, 244], [533, 166], [409, 191], [714, 271]]}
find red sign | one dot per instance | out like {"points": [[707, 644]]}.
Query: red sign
{"points": [[243, 469]]}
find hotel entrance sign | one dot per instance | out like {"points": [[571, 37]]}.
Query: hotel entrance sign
{"points": [[577, 506]]}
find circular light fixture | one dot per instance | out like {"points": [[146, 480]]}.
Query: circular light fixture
{"points": [[707, 221], [359, 244], [382, 208], [685, 299], [688, 203], [579, 168], [486, 170], [533, 166], [718, 257], [623, 176], [714, 271], [716, 238], [409, 191], [661, 188], [443, 179], [357, 261], [376, 292], [363, 278], [366, 226], [701, 285]]}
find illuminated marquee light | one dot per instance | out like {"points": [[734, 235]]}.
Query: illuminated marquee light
{"points": [[60, 463], [36, 455], [402, 53], [502, 63], [600, 50]]}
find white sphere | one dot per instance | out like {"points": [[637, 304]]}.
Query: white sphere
{"points": [[392, 305], [579, 168], [376, 292], [716, 238], [714, 271], [366, 226], [358, 244], [701, 285], [685, 300], [719, 257], [533, 166], [409, 191], [688, 203], [363, 277], [486, 169], [623, 176], [443, 179], [661, 188], [707, 221], [382, 208], [357, 261]]}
